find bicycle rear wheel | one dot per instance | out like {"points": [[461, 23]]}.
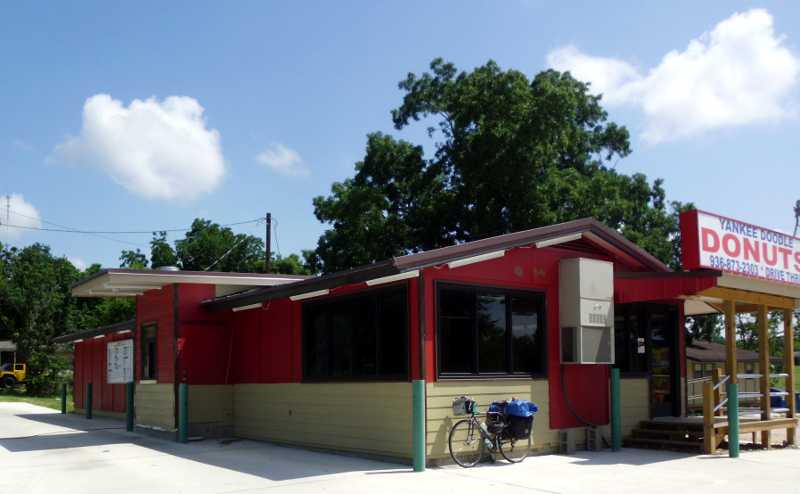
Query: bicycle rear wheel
{"points": [[466, 443], [515, 450]]}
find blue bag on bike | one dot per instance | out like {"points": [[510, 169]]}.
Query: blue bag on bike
{"points": [[521, 408]]}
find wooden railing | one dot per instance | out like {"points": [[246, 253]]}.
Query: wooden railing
{"points": [[753, 419]]}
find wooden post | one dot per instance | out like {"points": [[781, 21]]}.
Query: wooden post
{"points": [[716, 377], [788, 350], [730, 340], [709, 433], [763, 363]]}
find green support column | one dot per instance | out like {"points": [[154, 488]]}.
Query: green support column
{"points": [[418, 427], [129, 406], [64, 398], [183, 412], [616, 412], [733, 419], [88, 401]]}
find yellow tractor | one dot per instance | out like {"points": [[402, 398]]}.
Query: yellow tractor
{"points": [[12, 374]]}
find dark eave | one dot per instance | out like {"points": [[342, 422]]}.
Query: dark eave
{"points": [[596, 233], [128, 325]]}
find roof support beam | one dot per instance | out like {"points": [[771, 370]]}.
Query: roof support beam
{"points": [[558, 240], [392, 278], [753, 298], [479, 258], [307, 295]]}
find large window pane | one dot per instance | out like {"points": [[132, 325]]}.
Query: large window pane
{"points": [[392, 336], [489, 331], [491, 318], [527, 338], [357, 337]]}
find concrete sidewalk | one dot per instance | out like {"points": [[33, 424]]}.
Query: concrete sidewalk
{"points": [[45, 452]]}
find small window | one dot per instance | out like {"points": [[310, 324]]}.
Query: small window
{"points": [[19, 367], [149, 355], [486, 331]]}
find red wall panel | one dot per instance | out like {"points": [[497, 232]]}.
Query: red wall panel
{"points": [[90, 367], [157, 306]]}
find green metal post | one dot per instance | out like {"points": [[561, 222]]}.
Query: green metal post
{"points": [[616, 412], [88, 400], [418, 428], [129, 406], [733, 419], [64, 398], [183, 412]]}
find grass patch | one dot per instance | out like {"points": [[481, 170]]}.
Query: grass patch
{"points": [[18, 395], [797, 378]]}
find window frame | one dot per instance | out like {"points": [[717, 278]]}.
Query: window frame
{"points": [[145, 353], [489, 289], [401, 286]]}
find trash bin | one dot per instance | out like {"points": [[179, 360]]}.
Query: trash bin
{"points": [[777, 401]]}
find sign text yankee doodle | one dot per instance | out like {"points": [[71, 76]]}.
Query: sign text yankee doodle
{"points": [[742, 248]]}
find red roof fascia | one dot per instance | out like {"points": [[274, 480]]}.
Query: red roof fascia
{"points": [[644, 287]]}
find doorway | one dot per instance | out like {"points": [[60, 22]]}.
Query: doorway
{"points": [[646, 338]]}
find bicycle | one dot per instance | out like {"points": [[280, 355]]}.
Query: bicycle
{"points": [[469, 439]]}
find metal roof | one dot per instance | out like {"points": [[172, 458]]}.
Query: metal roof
{"points": [[128, 325], [132, 282], [588, 232], [708, 351]]}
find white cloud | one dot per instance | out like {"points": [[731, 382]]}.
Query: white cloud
{"points": [[79, 263], [739, 73], [156, 149], [15, 210], [283, 160]]}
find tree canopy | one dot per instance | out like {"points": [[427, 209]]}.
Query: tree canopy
{"points": [[510, 153]]}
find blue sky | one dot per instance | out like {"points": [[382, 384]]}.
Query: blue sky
{"points": [[274, 100]]}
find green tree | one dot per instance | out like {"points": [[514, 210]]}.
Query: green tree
{"points": [[510, 154], [209, 246], [291, 264], [161, 252], [36, 306], [132, 259]]}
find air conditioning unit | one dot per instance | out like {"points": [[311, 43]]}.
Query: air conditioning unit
{"points": [[586, 311]]}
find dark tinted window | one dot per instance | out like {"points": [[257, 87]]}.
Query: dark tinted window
{"points": [[490, 331], [630, 344], [149, 355], [357, 337]]}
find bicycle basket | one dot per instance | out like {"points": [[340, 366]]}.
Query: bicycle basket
{"points": [[519, 427], [464, 405]]}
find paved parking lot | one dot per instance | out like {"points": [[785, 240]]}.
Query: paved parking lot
{"points": [[44, 452]]}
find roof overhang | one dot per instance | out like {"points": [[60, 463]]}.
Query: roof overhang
{"points": [[124, 327], [132, 282]]}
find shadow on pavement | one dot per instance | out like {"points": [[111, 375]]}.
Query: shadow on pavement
{"points": [[627, 456], [264, 460]]}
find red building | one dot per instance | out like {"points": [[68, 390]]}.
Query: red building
{"points": [[328, 361]]}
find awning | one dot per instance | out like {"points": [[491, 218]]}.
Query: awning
{"points": [[120, 327], [132, 282], [662, 286]]}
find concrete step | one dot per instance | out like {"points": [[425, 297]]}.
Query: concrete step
{"points": [[666, 434], [671, 426], [664, 444]]}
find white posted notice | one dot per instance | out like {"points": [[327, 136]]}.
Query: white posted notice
{"points": [[120, 362]]}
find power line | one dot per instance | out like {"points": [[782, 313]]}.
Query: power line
{"points": [[135, 244], [66, 229]]}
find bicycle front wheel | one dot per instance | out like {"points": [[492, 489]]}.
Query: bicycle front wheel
{"points": [[466, 443], [515, 450]]}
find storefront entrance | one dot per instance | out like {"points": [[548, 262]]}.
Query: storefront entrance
{"points": [[647, 344]]}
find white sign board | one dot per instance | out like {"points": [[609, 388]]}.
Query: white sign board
{"points": [[119, 365], [716, 242]]}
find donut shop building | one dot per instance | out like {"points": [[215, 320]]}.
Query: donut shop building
{"points": [[328, 361]]}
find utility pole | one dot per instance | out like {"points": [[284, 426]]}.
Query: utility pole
{"points": [[268, 243], [796, 216]]}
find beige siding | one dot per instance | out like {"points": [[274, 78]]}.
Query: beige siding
{"points": [[372, 418], [635, 403], [440, 411], [210, 410], [155, 405]]}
